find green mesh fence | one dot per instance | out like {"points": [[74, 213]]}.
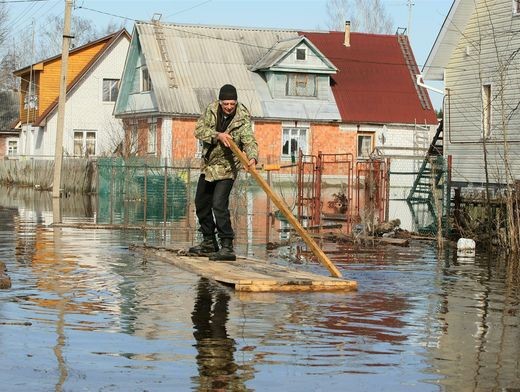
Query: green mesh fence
{"points": [[137, 192]]}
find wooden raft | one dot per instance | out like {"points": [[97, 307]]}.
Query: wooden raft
{"points": [[251, 275]]}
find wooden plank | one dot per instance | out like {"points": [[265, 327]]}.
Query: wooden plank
{"points": [[251, 275], [318, 252]]}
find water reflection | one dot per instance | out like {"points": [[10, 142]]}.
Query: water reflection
{"points": [[103, 319], [215, 349]]}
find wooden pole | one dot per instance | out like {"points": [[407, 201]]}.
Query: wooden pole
{"points": [[318, 252], [58, 149]]}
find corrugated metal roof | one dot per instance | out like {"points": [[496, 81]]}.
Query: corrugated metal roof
{"points": [[447, 39], [373, 83], [276, 53], [203, 58]]}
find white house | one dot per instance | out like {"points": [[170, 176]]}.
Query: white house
{"points": [[90, 129], [476, 54]]}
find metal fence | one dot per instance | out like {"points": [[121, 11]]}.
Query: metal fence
{"points": [[137, 192]]}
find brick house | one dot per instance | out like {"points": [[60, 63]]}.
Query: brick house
{"points": [[335, 92]]}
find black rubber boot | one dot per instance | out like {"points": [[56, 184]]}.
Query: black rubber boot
{"points": [[208, 246], [226, 252]]}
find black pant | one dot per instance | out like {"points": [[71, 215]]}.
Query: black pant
{"points": [[212, 207]]}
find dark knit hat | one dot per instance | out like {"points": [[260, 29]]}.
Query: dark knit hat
{"points": [[228, 92]]}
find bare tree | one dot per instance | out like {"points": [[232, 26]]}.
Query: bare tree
{"points": [[368, 16], [3, 23], [22, 51], [51, 31], [7, 65]]}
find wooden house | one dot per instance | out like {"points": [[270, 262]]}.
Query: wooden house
{"points": [[476, 55], [335, 92], [93, 75]]}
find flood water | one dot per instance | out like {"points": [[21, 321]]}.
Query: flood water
{"points": [[86, 313]]}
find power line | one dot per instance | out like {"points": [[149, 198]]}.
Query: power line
{"points": [[20, 1], [107, 13]]}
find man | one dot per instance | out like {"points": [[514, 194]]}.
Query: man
{"points": [[223, 120]]}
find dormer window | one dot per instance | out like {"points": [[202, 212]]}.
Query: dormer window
{"points": [[301, 85], [301, 54], [146, 81]]}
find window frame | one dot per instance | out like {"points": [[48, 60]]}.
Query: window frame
{"points": [[300, 139], [146, 80], [112, 96], [359, 145], [151, 145], [9, 150], [301, 50], [134, 138], [85, 141], [294, 84], [487, 110]]}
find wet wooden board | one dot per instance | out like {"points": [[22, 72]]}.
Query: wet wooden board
{"points": [[251, 275]]}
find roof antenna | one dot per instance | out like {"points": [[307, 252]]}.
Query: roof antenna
{"points": [[156, 17]]}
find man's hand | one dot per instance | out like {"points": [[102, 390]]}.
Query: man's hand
{"points": [[224, 138], [251, 164]]}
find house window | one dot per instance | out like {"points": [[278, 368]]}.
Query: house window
{"points": [[110, 90], [12, 147], [84, 143], [301, 85], [152, 138], [301, 54], [294, 140], [365, 145], [486, 110], [146, 81], [134, 138], [516, 7]]}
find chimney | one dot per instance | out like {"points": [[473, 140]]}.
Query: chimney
{"points": [[347, 34]]}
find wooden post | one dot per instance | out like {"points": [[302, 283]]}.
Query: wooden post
{"points": [[58, 149], [318, 252]]}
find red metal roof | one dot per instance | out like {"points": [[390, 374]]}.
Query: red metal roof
{"points": [[374, 83]]}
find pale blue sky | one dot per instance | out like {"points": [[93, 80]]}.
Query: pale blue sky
{"points": [[427, 15]]}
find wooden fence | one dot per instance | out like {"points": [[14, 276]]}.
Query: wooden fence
{"points": [[78, 175]]}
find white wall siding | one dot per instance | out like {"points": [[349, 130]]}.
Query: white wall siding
{"points": [[485, 54], [85, 109]]}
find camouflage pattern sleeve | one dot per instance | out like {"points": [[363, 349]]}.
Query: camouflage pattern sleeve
{"points": [[205, 129], [248, 142]]}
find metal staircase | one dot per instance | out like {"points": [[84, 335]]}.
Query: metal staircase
{"points": [[428, 185]]}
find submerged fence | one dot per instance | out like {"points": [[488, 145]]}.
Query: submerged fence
{"points": [[143, 191], [79, 174], [133, 191]]}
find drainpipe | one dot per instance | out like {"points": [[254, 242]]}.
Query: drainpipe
{"points": [[421, 84]]}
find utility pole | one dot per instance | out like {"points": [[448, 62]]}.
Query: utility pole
{"points": [[28, 98], [58, 151]]}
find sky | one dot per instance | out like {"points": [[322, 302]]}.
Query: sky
{"points": [[426, 17]]}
